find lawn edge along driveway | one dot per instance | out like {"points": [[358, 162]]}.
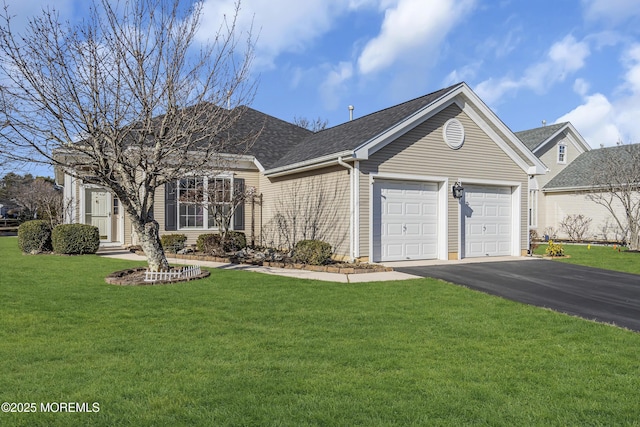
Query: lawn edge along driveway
{"points": [[591, 293]]}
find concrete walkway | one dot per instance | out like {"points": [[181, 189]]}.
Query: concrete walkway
{"points": [[315, 275], [287, 272]]}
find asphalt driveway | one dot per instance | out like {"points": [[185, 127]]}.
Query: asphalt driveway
{"points": [[591, 293]]}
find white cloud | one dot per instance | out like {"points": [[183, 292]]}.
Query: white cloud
{"points": [[564, 57], [605, 120], [595, 120], [468, 72], [411, 27], [611, 11], [334, 84], [281, 25]]}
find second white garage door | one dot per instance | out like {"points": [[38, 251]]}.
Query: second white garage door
{"points": [[405, 220], [487, 221]]}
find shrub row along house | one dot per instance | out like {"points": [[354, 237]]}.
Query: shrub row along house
{"points": [[437, 177]]}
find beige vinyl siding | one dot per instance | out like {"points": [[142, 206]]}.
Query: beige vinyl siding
{"points": [[323, 194], [558, 205], [422, 151], [251, 180], [501, 134]]}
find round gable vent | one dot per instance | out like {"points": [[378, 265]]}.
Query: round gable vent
{"points": [[453, 133]]}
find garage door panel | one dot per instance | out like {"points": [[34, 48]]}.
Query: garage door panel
{"points": [[412, 209], [407, 214], [487, 221]]}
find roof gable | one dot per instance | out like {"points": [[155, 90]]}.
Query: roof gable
{"points": [[537, 139], [361, 137], [579, 173], [534, 138], [348, 136]]}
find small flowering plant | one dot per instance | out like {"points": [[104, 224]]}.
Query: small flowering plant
{"points": [[554, 249]]}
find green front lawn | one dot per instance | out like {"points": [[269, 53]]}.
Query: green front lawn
{"points": [[599, 256], [244, 348]]}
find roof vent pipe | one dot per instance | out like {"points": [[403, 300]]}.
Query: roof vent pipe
{"points": [[351, 108]]}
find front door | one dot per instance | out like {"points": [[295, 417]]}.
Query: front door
{"points": [[98, 212]]}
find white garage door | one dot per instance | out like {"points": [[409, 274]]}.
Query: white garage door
{"points": [[405, 218], [487, 221]]}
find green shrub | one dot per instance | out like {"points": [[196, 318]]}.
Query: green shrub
{"points": [[173, 242], [34, 236], [212, 243], [235, 241], [209, 243], [554, 249], [313, 252], [75, 239]]}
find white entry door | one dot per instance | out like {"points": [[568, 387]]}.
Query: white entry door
{"points": [[98, 212], [405, 221], [487, 221]]}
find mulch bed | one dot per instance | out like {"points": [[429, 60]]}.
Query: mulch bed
{"points": [[135, 277], [343, 268]]}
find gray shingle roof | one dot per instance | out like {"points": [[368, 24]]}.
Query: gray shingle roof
{"points": [[352, 134], [580, 172], [532, 138], [275, 137]]}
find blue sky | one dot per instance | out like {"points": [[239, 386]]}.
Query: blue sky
{"points": [[561, 60]]}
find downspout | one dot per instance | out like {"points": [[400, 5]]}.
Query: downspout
{"points": [[351, 206]]}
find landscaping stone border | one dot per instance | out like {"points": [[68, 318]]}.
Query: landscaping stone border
{"points": [[332, 268]]}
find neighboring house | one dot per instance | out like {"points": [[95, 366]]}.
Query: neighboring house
{"points": [[557, 146], [378, 188], [568, 186]]}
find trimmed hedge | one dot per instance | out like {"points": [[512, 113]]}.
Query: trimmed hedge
{"points": [[34, 237], [212, 243], [173, 242], [313, 252], [208, 243], [75, 239], [236, 241]]}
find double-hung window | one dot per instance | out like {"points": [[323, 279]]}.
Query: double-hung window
{"points": [[562, 153], [203, 202]]}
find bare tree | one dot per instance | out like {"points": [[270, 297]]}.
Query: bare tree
{"points": [[616, 187], [126, 99], [576, 226], [315, 125], [35, 197], [306, 211]]}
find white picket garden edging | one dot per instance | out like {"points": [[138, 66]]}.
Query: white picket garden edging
{"points": [[176, 274]]}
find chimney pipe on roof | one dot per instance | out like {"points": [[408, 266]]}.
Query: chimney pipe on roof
{"points": [[351, 108], [544, 123]]}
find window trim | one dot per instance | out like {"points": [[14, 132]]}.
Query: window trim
{"points": [[562, 154], [533, 208], [205, 209]]}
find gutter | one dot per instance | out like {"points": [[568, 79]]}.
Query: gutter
{"points": [[306, 165], [352, 186]]}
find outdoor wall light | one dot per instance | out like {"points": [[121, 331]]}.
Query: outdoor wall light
{"points": [[457, 190]]}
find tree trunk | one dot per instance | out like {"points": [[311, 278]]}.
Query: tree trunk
{"points": [[634, 238], [149, 239]]}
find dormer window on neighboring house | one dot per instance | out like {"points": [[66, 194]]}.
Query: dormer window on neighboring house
{"points": [[562, 153]]}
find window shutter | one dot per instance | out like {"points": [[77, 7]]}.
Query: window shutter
{"points": [[170, 206], [238, 215]]}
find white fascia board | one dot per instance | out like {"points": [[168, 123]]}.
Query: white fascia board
{"points": [[578, 141], [315, 163], [551, 138], [489, 182], [538, 168], [258, 165], [379, 141]]}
